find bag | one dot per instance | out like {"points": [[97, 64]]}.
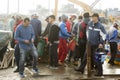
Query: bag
{"points": [[72, 45], [40, 47]]}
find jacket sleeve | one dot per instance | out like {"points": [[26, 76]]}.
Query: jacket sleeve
{"points": [[64, 30], [32, 32], [74, 30], [39, 28], [46, 30], [103, 32], [114, 35], [17, 35], [51, 35]]}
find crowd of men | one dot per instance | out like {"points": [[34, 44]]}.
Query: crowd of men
{"points": [[87, 29]]}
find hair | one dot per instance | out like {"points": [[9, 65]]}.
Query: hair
{"points": [[52, 16], [64, 17], [80, 17], [26, 19]]}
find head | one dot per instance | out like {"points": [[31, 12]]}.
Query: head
{"points": [[13, 17], [26, 22], [35, 16], [100, 46], [64, 18], [47, 19], [51, 18], [80, 18], [73, 17], [60, 19], [116, 24], [95, 17], [18, 18], [86, 17]]}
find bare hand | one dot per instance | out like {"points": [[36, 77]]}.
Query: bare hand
{"points": [[32, 40], [27, 41]]}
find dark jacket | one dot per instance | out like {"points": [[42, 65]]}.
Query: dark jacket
{"points": [[54, 33], [46, 32], [95, 33], [81, 34], [37, 26]]}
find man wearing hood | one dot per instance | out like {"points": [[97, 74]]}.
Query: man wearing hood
{"points": [[81, 36], [112, 37]]}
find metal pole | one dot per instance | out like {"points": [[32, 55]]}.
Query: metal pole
{"points": [[88, 60], [49, 5], [56, 8], [18, 7], [8, 7]]}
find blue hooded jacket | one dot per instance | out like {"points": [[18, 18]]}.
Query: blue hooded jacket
{"points": [[112, 35], [63, 31]]}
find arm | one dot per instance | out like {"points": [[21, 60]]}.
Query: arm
{"points": [[17, 35], [114, 35], [103, 32], [32, 34], [51, 35], [39, 28], [64, 30], [46, 30]]}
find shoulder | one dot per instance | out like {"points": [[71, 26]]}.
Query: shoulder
{"points": [[90, 23], [62, 24]]}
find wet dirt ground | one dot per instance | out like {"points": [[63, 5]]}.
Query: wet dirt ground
{"points": [[63, 73]]}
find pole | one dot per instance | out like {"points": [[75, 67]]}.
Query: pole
{"points": [[56, 8], [8, 7], [18, 6], [88, 60]]}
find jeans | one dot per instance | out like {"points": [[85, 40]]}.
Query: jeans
{"points": [[63, 50], [53, 55], [23, 54], [113, 48], [17, 55], [84, 61]]}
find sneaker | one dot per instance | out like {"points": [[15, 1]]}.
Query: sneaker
{"points": [[22, 75], [35, 71], [17, 70]]}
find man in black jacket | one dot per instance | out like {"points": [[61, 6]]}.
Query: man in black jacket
{"points": [[53, 39]]}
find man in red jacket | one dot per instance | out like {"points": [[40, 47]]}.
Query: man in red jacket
{"points": [[17, 51]]}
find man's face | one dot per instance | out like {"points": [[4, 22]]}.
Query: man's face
{"points": [[27, 23], [50, 20], [94, 19]]}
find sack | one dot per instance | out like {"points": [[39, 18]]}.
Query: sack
{"points": [[71, 45], [40, 47]]}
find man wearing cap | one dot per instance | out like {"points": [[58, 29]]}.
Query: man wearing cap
{"points": [[112, 38], [63, 35], [96, 34], [37, 26]]}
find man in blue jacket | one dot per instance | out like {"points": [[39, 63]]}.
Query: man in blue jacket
{"points": [[25, 36], [63, 35], [112, 37], [96, 34], [37, 26]]}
